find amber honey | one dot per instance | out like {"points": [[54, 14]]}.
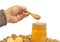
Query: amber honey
{"points": [[38, 32]]}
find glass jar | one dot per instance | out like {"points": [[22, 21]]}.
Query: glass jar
{"points": [[39, 32]]}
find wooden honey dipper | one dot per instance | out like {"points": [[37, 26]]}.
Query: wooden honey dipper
{"points": [[35, 16]]}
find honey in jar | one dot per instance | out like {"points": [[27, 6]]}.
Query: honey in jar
{"points": [[38, 32]]}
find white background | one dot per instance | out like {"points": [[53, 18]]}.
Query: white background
{"points": [[49, 10]]}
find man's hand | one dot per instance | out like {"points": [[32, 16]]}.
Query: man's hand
{"points": [[15, 13]]}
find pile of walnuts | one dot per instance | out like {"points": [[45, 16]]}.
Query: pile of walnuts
{"points": [[23, 38]]}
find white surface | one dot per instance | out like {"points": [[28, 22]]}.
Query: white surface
{"points": [[48, 9]]}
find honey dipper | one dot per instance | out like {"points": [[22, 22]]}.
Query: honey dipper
{"points": [[35, 16]]}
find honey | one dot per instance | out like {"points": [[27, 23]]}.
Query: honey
{"points": [[38, 32]]}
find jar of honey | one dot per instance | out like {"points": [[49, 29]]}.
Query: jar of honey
{"points": [[39, 32]]}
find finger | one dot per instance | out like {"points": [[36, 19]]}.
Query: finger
{"points": [[25, 15], [15, 19], [19, 17]]}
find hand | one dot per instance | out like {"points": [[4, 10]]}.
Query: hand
{"points": [[15, 14]]}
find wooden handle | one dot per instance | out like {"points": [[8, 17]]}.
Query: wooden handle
{"points": [[29, 12]]}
